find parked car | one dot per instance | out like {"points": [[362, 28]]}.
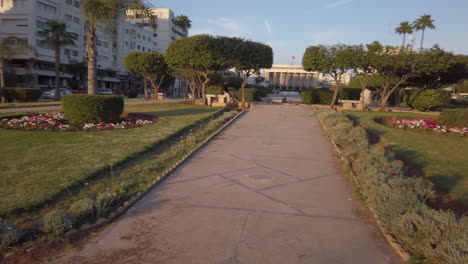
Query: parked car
{"points": [[51, 93], [104, 91]]}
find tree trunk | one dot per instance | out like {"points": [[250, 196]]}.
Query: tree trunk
{"points": [[422, 39], [244, 83], [404, 35], [2, 81], [145, 88], [91, 50], [57, 73], [335, 93], [384, 103]]}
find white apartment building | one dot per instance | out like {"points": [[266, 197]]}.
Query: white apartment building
{"points": [[24, 18]]}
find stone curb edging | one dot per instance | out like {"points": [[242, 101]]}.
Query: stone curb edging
{"points": [[389, 238], [129, 203]]}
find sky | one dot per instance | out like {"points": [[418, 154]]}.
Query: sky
{"points": [[289, 27]]}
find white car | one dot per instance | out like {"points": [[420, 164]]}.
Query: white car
{"points": [[51, 93]]}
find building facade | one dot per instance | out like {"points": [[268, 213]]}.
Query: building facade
{"points": [[294, 77], [25, 18]]}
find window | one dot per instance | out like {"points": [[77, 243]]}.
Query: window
{"points": [[139, 35], [144, 49], [68, 18], [144, 37], [138, 47], [99, 43], [46, 8], [126, 43], [41, 25], [76, 20], [69, 2], [67, 52], [126, 31], [75, 53], [77, 3], [40, 44], [15, 41], [18, 3], [155, 35], [105, 44]]}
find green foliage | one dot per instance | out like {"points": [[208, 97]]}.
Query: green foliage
{"points": [[233, 81], [454, 117], [462, 86], [21, 94], [307, 96], [83, 209], [350, 94], [214, 90], [429, 99], [56, 223], [251, 95], [317, 96], [81, 109], [431, 236], [10, 234]]}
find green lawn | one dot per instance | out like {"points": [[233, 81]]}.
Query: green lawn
{"points": [[36, 166], [442, 159], [31, 104]]}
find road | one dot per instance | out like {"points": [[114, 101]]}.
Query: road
{"points": [[268, 189]]}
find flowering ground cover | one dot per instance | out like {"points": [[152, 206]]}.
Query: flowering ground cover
{"points": [[57, 122], [36, 167], [426, 125], [442, 159]]}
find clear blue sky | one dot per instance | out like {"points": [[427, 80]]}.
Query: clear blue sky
{"points": [[291, 26]]}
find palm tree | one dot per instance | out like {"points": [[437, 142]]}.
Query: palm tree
{"points": [[425, 21], [404, 28], [183, 22], [56, 35], [107, 14], [9, 47]]}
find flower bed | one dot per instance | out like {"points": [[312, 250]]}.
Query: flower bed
{"points": [[426, 124], [57, 122]]}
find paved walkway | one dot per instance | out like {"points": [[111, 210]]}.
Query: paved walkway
{"points": [[266, 190], [59, 107]]}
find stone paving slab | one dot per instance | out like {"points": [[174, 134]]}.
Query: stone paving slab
{"points": [[266, 190]]}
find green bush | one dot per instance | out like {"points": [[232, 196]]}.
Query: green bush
{"points": [[214, 90], [429, 99], [307, 97], [350, 94], [323, 96], [251, 95], [56, 223], [80, 109], [21, 94], [83, 209], [409, 95], [10, 234], [233, 81], [454, 117]]}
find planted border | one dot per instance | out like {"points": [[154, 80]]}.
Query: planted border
{"points": [[399, 201]]}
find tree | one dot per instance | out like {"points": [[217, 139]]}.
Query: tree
{"points": [[425, 21], [151, 65], [204, 54], [183, 22], [57, 35], [10, 47], [106, 13], [334, 60], [404, 28], [250, 57]]}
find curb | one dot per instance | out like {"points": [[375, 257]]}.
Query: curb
{"points": [[390, 239], [129, 203]]}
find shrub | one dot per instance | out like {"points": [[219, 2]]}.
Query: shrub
{"points": [[323, 96], [233, 81], [56, 223], [429, 99], [10, 234], [214, 90], [21, 94], [103, 203], [251, 95], [80, 109], [409, 95], [350, 94], [454, 117], [83, 209], [307, 96]]}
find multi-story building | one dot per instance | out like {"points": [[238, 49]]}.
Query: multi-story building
{"points": [[24, 18]]}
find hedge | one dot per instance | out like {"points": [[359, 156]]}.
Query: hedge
{"points": [[317, 96], [81, 108], [21, 94], [426, 100], [217, 90], [350, 94], [429, 235], [251, 95], [454, 117]]}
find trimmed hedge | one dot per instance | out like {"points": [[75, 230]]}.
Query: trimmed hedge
{"points": [[317, 96], [430, 236], [21, 94], [81, 108], [454, 117], [217, 90], [251, 95], [350, 94], [426, 100]]}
